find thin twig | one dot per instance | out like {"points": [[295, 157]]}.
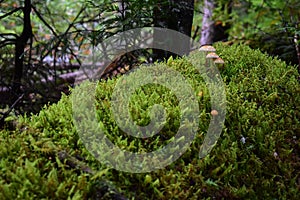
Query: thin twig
{"points": [[9, 110], [3, 35], [11, 12], [7, 42], [43, 20], [71, 161]]}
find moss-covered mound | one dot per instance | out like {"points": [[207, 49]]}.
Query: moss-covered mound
{"points": [[256, 157]]}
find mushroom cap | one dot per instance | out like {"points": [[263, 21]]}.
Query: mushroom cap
{"points": [[219, 61], [207, 48], [212, 55], [214, 112]]}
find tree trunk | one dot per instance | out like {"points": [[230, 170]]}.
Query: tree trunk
{"points": [[20, 45], [297, 47], [176, 15], [211, 31], [208, 29], [185, 21]]}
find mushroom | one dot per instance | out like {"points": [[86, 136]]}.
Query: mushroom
{"points": [[210, 50], [207, 48], [127, 67], [212, 55], [219, 62], [123, 71], [214, 113]]}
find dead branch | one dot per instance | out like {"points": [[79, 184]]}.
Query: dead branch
{"points": [[4, 115], [11, 12]]}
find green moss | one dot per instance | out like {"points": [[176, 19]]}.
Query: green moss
{"points": [[257, 156]]}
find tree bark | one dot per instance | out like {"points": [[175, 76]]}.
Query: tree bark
{"points": [[20, 45], [208, 29], [174, 15], [297, 47]]}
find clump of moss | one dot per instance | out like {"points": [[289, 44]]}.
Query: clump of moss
{"points": [[257, 155]]}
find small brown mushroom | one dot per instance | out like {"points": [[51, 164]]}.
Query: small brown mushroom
{"points": [[127, 67], [212, 56], [219, 63], [123, 71], [214, 112], [207, 48]]}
